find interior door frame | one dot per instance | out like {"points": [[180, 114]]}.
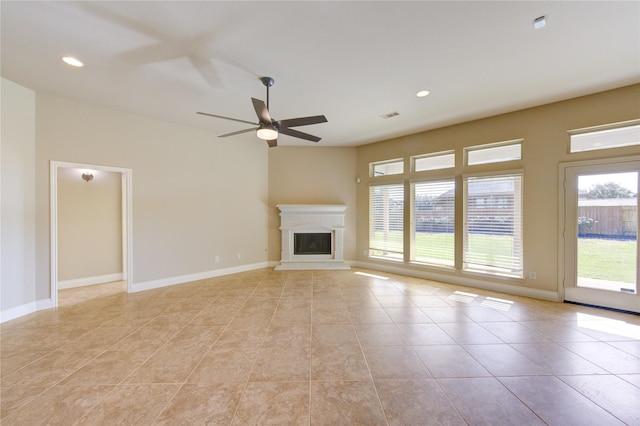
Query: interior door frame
{"points": [[127, 216], [563, 262]]}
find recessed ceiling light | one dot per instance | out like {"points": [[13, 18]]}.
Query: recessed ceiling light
{"points": [[539, 22], [69, 60], [422, 93]]}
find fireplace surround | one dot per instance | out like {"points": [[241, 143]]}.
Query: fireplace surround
{"points": [[312, 236]]}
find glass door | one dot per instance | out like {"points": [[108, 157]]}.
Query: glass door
{"points": [[601, 234]]}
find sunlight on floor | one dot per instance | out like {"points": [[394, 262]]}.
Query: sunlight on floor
{"points": [[461, 296], [380, 277], [608, 325], [495, 303]]}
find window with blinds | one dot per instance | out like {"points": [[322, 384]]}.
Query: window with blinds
{"points": [[493, 224], [386, 221], [433, 220]]}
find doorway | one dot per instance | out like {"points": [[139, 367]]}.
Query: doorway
{"points": [[599, 232], [87, 174]]}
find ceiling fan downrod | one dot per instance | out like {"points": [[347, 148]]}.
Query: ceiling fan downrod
{"points": [[268, 82]]}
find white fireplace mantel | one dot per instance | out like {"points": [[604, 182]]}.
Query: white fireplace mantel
{"points": [[312, 218]]}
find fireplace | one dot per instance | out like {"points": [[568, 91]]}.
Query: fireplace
{"points": [[312, 236]]}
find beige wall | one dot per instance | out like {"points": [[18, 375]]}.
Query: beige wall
{"points": [[17, 199], [544, 130], [312, 175], [194, 196], [89, 224]]}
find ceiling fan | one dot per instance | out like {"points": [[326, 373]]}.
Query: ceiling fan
{"points": [[268, 128]]}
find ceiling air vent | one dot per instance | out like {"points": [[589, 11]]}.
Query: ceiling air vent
{"points": [[389, 115]]}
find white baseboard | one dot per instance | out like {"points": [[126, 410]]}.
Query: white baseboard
{"points": [[164, 282], [81, 282], [467, 281], [26, 309]]}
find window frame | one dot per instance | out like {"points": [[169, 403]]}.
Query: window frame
{"points": [[397, 251], [489, 146], [601, 129], [373, 165], [494, 270], [415, 158], [413, 258]]}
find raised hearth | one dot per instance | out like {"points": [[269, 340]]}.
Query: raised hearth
{"points": [[312, 236]]}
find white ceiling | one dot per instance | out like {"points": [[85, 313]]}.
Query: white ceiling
{"points": [[351, 61]]}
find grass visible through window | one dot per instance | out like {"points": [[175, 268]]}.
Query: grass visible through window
{"points": [[611, 260]]}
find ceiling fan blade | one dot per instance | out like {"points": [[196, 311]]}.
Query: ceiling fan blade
{"points": [[238, 132], [226, 118], [272, 143], [303, 121], [261, 111], [298, 134]]}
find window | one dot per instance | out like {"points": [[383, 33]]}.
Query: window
{"points": [[441, 160], [386, 221], [494, 153], [493, 224], [616, 137], [384, 168], [432, 216]]}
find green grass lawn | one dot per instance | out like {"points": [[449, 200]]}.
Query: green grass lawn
{"points": [[610, 260]]}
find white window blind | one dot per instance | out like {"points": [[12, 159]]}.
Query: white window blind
{"points": [[386, 221], [433, 217], [493, 224]]}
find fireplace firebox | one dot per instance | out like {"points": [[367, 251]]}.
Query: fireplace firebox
{"points": [[311, 243]]}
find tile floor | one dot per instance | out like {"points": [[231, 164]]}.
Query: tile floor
{"points": [[331, 347]]}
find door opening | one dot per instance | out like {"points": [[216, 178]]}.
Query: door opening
{"points": [[123, 279]]}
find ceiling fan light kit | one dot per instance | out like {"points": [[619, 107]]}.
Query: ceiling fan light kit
{"points": [[267, 133], [268, 128]]}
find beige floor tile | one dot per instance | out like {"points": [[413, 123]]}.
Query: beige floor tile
{"points": [[224, 364], [408, 316], [334, 335], [317, 347], [449, 361], [202, 404], [345, 403], [424, 334], [49, 369], [605, 356], [130, 404], [611, 393], [11, 361], [416, 402], [108, 368], [370, 316], [268, 403], [169, 364], [485, 401], [379, 334], [557, 359], [282, 364], [285, 335], [12, 397], [338, 363], [558, 403], [59, 405], [503, 360], [394, 362]]}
